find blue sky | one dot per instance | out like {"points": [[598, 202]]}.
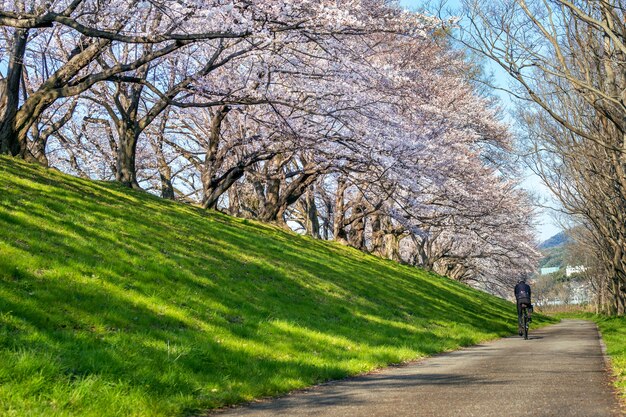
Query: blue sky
{"points": [[532, 183]]}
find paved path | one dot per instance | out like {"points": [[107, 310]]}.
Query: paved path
{"points": [[560, 372]]}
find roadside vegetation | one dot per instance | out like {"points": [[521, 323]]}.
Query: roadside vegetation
{"points": [[114, 302], [613, 330]]}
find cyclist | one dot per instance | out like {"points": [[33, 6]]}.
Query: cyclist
{"points": [[522, 295]]}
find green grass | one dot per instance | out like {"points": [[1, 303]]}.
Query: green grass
{"points": [[613, 331], [117, 303]]}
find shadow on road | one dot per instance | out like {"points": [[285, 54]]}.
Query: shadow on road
{"points": [[351, 391], [565, 364]]}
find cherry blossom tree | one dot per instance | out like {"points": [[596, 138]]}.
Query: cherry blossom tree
{"points": [[350, 120]]}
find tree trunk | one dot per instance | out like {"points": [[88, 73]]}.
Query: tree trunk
{"points": [[38, 151], [392, 247], [234, 205], [212, 163], [620, 304], [16, 123], [326, 225], [165, 173], [167, 188], [392, 240], [126, 158], [422, 259], [356, 236], [279, 197], [269, 210], [10, 142], [216, 188], [339, 232], [377, 236], [313, 224]]}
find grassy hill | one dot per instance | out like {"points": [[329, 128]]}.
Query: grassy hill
{"points": [[117, 303]]}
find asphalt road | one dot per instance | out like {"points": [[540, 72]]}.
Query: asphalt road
{"points": [[560, 371]]}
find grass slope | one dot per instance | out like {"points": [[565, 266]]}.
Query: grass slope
{"points": [[118, 303]]}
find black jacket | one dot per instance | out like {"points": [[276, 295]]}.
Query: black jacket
{"points": [[522, 291]]}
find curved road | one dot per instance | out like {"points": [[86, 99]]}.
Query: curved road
{"points": [[560, 372]]}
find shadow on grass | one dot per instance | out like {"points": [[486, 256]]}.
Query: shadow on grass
{"points": [[188, 310]]}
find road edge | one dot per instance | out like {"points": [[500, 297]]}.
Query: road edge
{"points": [[610, 372]]}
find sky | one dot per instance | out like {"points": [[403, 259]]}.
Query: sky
{"points": [[547, 226]]}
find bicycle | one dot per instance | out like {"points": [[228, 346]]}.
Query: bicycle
{"points": [[526, 318]]}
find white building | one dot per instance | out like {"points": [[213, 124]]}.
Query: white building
{"points": [[569, 270]]}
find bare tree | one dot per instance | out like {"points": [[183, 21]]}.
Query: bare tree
{"points": [[568, 57]]}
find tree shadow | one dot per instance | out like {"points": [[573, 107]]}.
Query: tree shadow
{"points": [[202, 310]]}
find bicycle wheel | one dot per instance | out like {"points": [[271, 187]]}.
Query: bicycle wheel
{"points": [[525, 324]]}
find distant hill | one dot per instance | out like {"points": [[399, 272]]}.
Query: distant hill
{"points": [[557, 240], [553, 250], [553, 257]]}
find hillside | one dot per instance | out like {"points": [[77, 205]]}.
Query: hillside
{"points": [[552, 257], [557, 240], [553, 251], [115, 302]]}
